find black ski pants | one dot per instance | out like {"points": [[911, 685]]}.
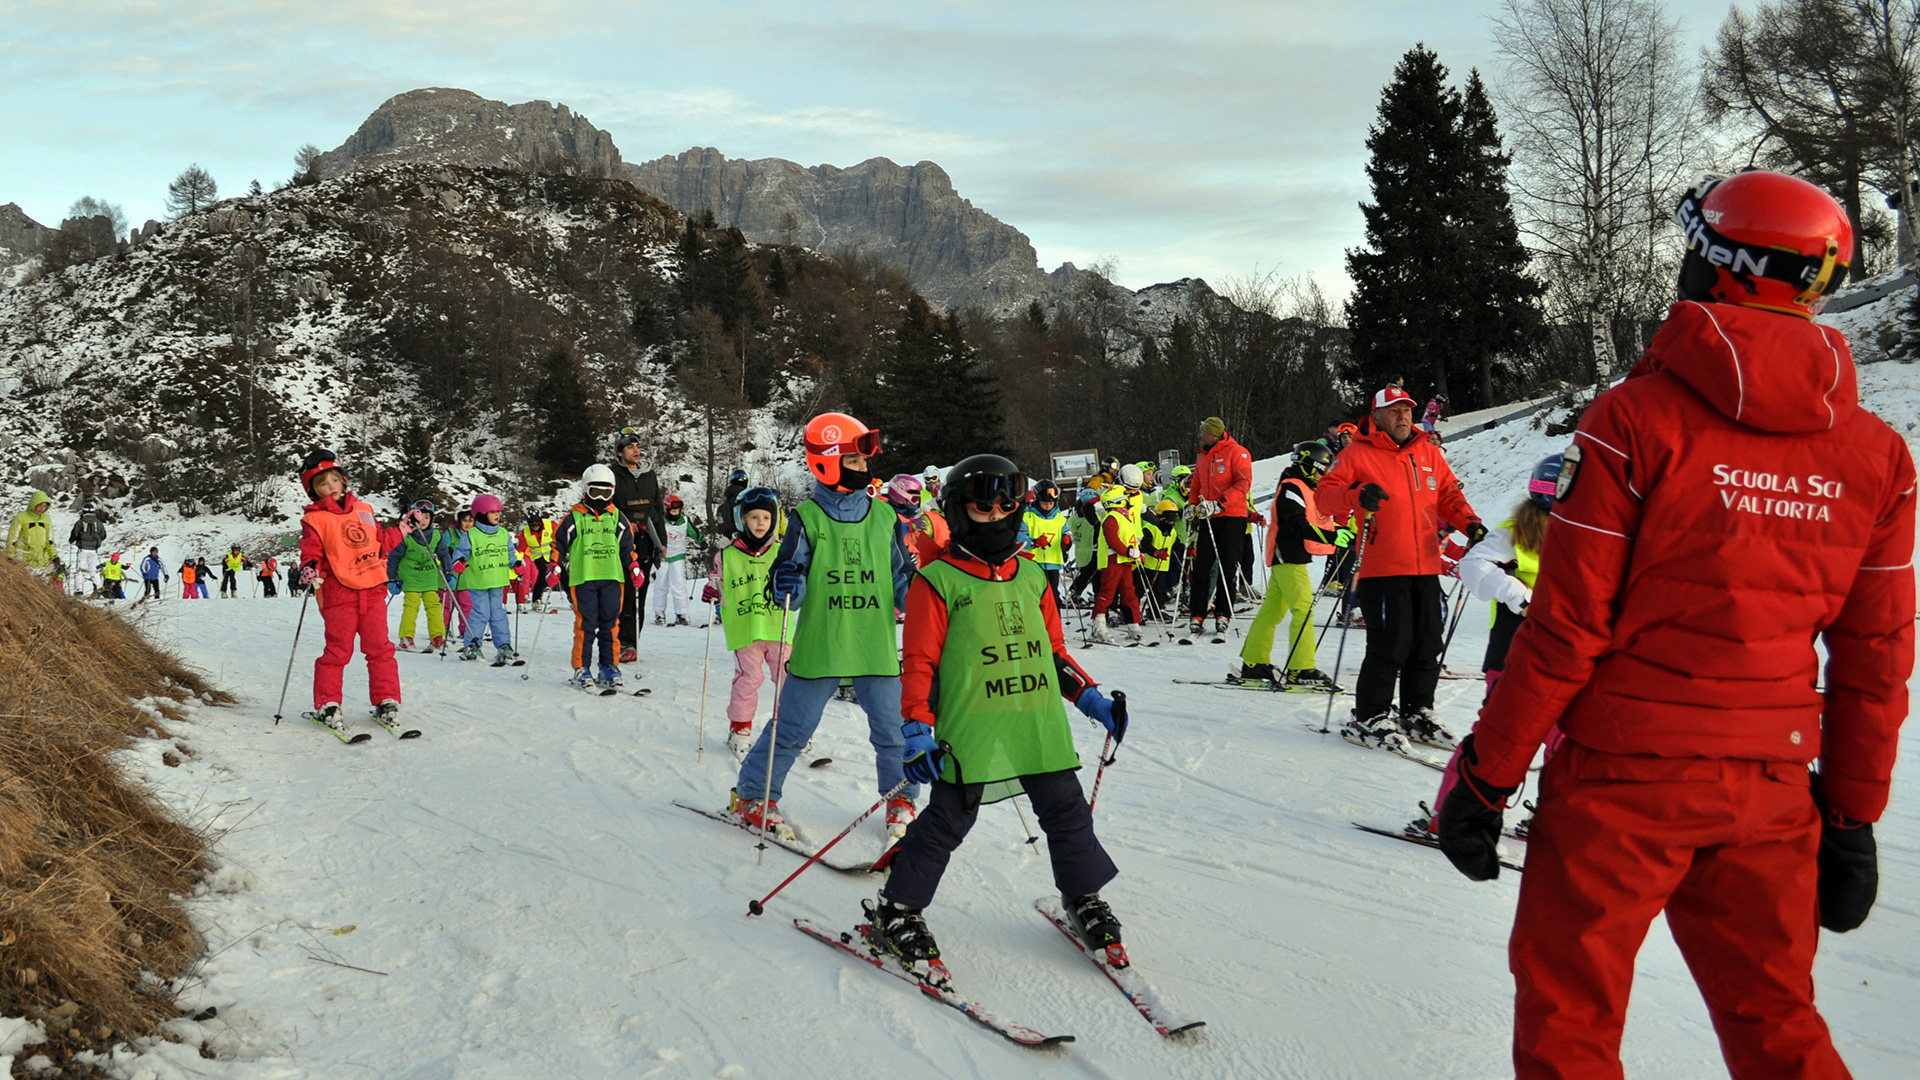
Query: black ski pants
{"points": [[1404, 632], [229, 584], [267, 588], [1216, 552], [150, 589], [1080, 864]]}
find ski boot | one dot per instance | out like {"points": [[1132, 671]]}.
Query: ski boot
{"points": [[1525, 824], [504, 655], [660, 618], [1422, 827], [406, 644], [1219, 627], [629, 656], [681, 620], [759, 813], [1131, 631], [471, 652], [609, 679], [328, 716], [1312, 678], [439, 642], [1423, 726], [1094, 921], [844, 692], [740, 739], [387, 712], [1097, 632], [582, 679], [1197, 628], [899, 815], [520, 609], [901, 933], [1379, 732], [1253, 673]]}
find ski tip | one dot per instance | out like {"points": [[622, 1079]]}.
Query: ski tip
{"points": [[411, 733], [1195, 1026], [820, 763], [359, 738]]}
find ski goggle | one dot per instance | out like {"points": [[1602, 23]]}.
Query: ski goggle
{"points": [[602, 492], [984, 491], [627, 435], [422, 504]]}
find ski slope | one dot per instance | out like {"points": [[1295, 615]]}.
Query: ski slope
{"points": [[514, 894]]}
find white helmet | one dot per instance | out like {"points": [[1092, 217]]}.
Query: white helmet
{"points": [[596, 474], [1131, 476]]}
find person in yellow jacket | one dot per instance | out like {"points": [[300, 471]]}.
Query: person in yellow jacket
{"points": [[113, 572], [1044, 533], [30, 536], [230, 569], [1157, 531], [536, 548], [1119, 551]]}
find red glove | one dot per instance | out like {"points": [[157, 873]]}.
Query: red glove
{"points": [[638, 577], [459, 567], [553, 576], [709, 595], [1044, 541]]}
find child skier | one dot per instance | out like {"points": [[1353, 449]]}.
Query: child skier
{"points": [[1296, 532], [1043, 528], [152, 571], [536, 555], [752, 622], [1152, 577], [595, 557], [340, 556], [188, 572], [202, 574], [114, 571], [1084, 528], [1119, 550], [457, 596], [414, 564], [269, 567], [840, 574], [483, 563], [974, 743], [681, 536], [230, 573]]}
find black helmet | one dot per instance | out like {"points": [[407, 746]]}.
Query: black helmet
{"points": [[1046, 491], [533, 515], [986, 479], [1313, 458], [755, 498], [738, 476], [90, 508]]}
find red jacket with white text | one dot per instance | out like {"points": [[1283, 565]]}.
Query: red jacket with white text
{"points": [[1731, 501]]}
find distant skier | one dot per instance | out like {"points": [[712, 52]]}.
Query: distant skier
{"points": [[189, 575], [681, 538], [340, 557], [152, 572], [974, 744], [1222, 477], [751, 620], [596, 560], [842, 572], [269, 567], [1430, 418], [483, 563], [202, 574], [1720, 514], [230, 572], [636, 494], [1297, 532], [1043, 529], [86, 536], [415, 566], [1118, 550], [114, 571], [536, 553]]}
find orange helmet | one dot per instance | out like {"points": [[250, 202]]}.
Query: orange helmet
{"points": [[830, 435], [1764, 240]]}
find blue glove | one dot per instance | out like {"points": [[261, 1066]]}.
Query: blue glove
{"points": [[1111, 712], [921, 757], [393, 588], [785, 585]]}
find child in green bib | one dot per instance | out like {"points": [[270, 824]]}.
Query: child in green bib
{"points": [[751, 620], [841, 572], [986, 670]]}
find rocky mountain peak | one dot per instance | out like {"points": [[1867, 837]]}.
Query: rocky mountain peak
{"points": [[459, 127]]}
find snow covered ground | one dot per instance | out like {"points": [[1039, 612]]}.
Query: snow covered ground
{"points": [[515, 894]]}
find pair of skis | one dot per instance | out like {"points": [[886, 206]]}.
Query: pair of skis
{"points": [[1263, 686], [1430, 842], [785, 836], [355, 738], [1131, 984]]}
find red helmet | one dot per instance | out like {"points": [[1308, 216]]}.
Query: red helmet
{"points": [[673, 502], [830, 435], [1763, 239]]}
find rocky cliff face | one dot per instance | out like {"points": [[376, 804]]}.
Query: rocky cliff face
{"points": [[956, 253], [459, 127], [21, 238]]}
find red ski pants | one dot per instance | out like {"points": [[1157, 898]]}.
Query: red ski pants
{"points": [[1116, 585], [347, 613], [1727, 848]]}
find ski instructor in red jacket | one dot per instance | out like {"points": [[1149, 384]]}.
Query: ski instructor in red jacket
{"points": [[1222, 477], [1397, 477], [1725, 505]]}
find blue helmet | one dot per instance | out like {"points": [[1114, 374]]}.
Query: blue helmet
{"points": [[1546, 477]]}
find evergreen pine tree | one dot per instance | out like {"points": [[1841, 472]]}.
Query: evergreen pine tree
{"points": [[1499, 303], [565, 431], [933, 401], [416, 479], [1406, 281]]}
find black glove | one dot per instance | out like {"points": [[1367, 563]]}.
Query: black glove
{"points": [[1849, 867], [1476, 532], [1371, 496], [1470, 820]]}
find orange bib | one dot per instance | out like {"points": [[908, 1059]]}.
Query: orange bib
{"points": [[352, 543]]}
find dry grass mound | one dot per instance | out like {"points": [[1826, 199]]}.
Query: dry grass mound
{"points": [[90, 863]]}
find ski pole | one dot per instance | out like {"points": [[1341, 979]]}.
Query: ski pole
{"points": [[1107, 753], [537, 627], [757, 907], [1459, 607], [1031, 839], [1359, 556], [298, 624], [773, 736], [706, 665]]}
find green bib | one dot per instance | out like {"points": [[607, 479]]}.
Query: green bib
{"points": [[1038, 525], [998, 690], [419, 569], [488, 559], [750, 616], [595, 553], [846, 625]]}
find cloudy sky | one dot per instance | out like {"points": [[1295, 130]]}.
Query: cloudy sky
{"points": [[1203, 138]]}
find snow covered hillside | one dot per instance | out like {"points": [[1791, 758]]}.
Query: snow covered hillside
{"points": [[516, 894]]}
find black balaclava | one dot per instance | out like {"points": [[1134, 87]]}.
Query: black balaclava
{"points": [[993, 541]]}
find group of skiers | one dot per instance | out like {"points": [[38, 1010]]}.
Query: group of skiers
{"points": [[1654, 596]]}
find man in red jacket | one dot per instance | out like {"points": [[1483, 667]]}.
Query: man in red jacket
{"points": [[1222, 477], [1719, 510], [1397, 478]]}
